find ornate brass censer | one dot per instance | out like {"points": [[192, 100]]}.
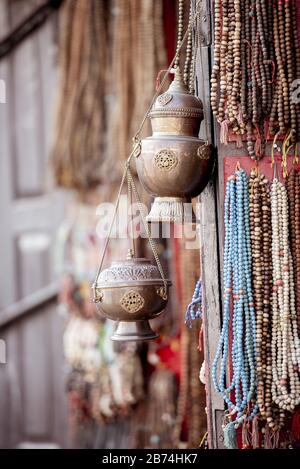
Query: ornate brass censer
{"points": [[173, 164], [133, 290]]}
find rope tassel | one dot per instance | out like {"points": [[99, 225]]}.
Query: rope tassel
{"points": [[230, 438]]}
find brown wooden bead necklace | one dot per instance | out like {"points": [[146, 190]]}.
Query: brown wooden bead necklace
{"points": [[285, 113], [296, 57], [261, 247], [256, 60], [217, 59], [223, 52], [242, 68], [295, 37], [189, 63], [179, 31], [276, 378], [261, 273], [282, 94]]}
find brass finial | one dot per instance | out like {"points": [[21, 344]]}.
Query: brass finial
{"points": [[177, 84]]}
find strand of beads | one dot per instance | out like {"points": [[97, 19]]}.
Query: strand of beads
{"points": [[256, 60], [223, 53], [285, 340], [240, 395], [233, 62], [292, 121], [282, 94], [256, 233], [194, 309], [217, 58], [296, 56], [243, 55], [260, 229], [293, 187], [179, 31], [188, 65], [285, 112]]}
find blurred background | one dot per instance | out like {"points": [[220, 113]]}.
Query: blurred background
{"points": [[76, 79]]}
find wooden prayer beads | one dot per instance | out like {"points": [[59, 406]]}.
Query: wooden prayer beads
{"points": [[285, 340], [260, 231], [293, 187], [275, 262], [260, 223], [256, 60], [284, 116], [189, 63]]}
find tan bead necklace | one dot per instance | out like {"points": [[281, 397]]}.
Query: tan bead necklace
{"points": [[285, 340], [293, 187]]}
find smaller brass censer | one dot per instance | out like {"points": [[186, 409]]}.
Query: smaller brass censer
{"points": [[133, 290], [173, 164]]}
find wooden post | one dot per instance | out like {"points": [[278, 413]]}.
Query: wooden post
{"points": [[210, 213]]}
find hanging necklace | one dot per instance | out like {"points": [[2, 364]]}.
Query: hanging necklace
{"points": [[224, 45], [293, 187], [256, 60], [217, 59], [194, 309], [261, 249], [285, 340], [179, 32], [189, 64], [188, 53], [285, 113], [296, 55], [282, 90], [240, 395], [242, 58], [261, 275]]}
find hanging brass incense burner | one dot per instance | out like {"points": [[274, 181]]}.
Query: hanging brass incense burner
{"points": [[133, 290], [173, 164]]}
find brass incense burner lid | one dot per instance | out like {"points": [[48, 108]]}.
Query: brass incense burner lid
{"points": [[129, 272], [177, 101]]}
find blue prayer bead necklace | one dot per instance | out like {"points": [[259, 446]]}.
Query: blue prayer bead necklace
{"points": [[240, 394], [194, 309]]}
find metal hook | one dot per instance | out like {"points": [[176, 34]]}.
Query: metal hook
{"points": [[275, 173], [255, 168]]}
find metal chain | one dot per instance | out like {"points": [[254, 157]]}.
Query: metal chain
{"points": [[111, 224], [150, 239], [130, 214]]}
